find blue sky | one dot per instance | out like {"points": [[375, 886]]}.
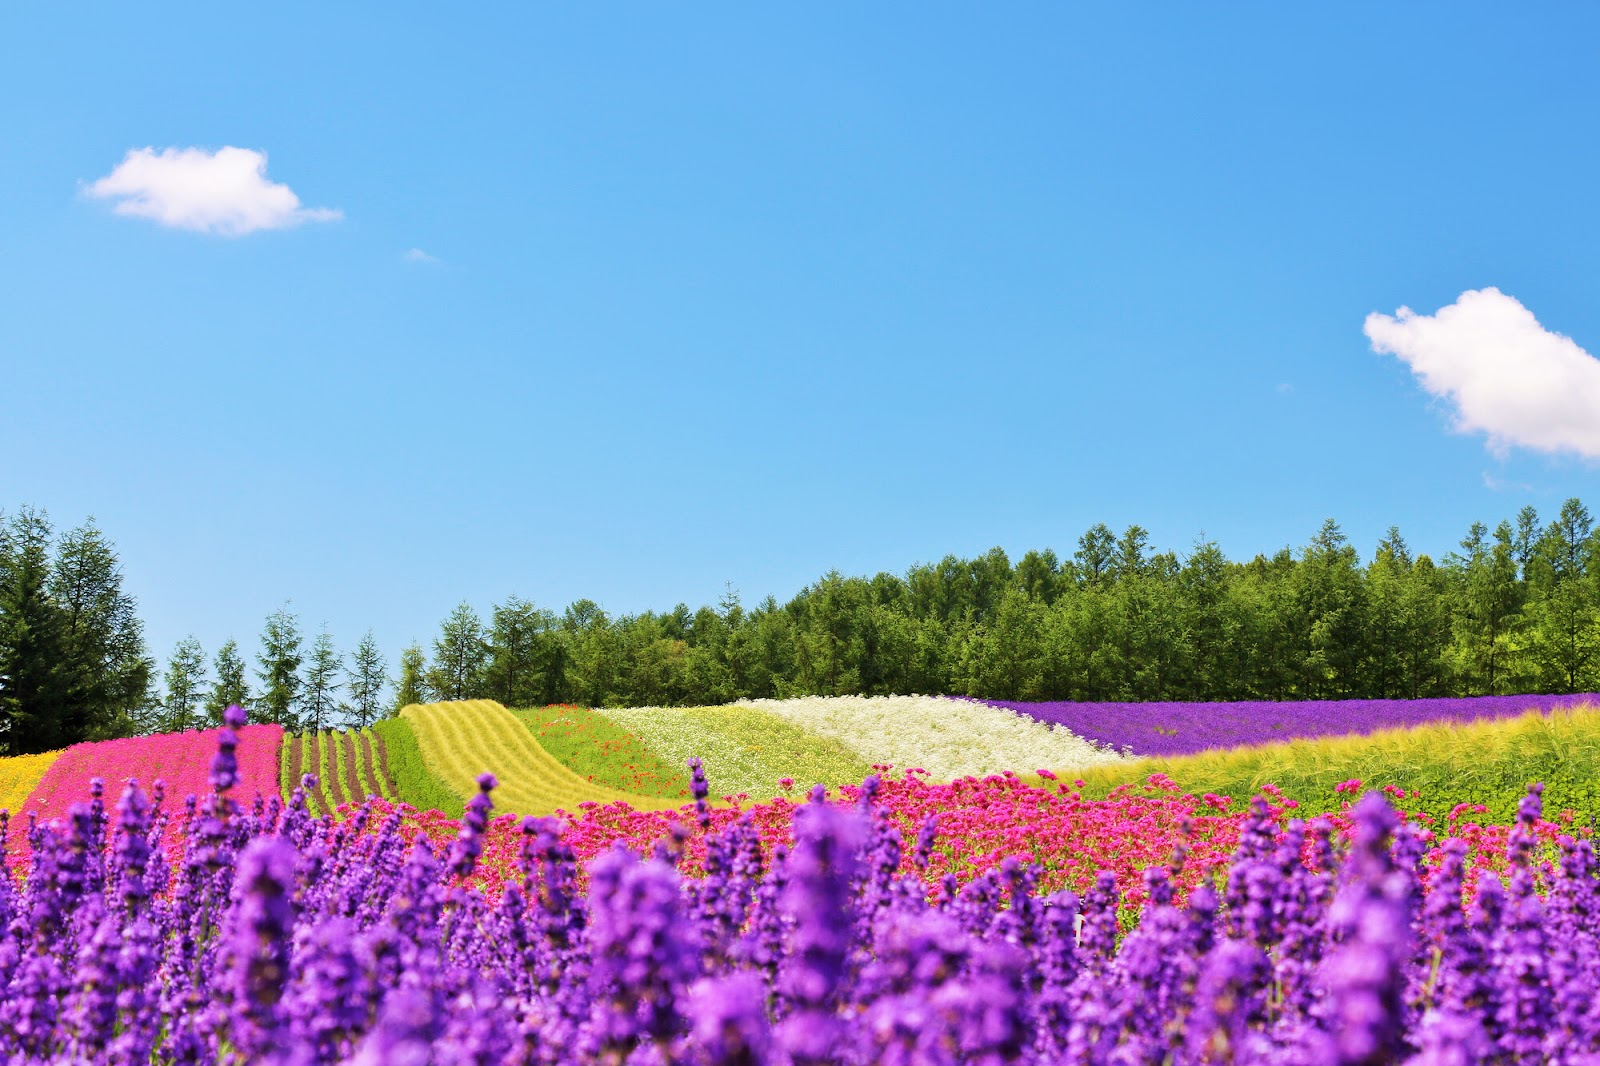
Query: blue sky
{"points": [[631, 302]]}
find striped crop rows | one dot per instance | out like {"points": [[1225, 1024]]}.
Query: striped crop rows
{"points": [[461, 740], [350, 765]]}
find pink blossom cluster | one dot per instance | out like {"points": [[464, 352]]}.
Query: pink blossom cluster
{"points": [[181, 761], [979, 823]]}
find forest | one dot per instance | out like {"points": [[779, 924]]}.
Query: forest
{"points": [[1512, 609]]}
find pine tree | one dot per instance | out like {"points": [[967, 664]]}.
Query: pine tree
{"points": [[33, 676], [280, 661], [1564, 604], [366, 681], [412, 685], [184, 704], [513, 675], [322, 671], [108, 671], [460, 657], [232, 687]]}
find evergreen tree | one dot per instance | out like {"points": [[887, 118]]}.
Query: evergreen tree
{"points": [[460, 657], [1096, 555], [1206, 616], [592, 663], [35, 675], [366, 678], [514, 674], [1003, 658], [1565, 603], [107, 671], [279, 671], [412, 685], [232, 687], [317, 701], [184, 704], [1329, 615]]}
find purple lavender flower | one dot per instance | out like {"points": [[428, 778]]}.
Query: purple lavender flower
{"points": [[469, 843], [728, 1018], [1364, 976], [644, 954], [820, 872], [258, 949]]}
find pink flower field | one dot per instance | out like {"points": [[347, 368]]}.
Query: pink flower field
{"points": [[181, 760]]}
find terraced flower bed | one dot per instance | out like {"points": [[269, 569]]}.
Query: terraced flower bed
{"points": [[1185, 728]]}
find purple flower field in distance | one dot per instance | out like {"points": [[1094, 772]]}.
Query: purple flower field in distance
{"points": [[1185, 728]]}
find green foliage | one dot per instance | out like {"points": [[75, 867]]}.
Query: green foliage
{"points": [[412, 684], [184, 704], [594, 747], [72, 658], [366, 680], [520, 644], [317, 698], [1439, 766], [279, 660], [460, 657], [1515, 609], [232, 686], [413, 782]]}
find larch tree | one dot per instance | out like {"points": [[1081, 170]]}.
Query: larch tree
{"points": [[108, 671], [365, 679], [412, 684], [513, 675], [318, 701], [232, 686], [280, 659], [460, 656], [184, 705], [34, 679]]}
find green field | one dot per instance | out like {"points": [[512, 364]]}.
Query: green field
{"points": [[744, 749], [594, 747]]}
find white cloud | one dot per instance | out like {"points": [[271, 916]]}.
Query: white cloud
{"points": [[224, 192], [1495, 484], [417, 255], [1508, 376]]}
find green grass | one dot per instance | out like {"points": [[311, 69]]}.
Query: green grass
{"points": [[414, 783], [744, 749], [596, 748], [1488, 762]]}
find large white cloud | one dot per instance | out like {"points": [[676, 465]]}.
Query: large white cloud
{"points": [[1508, 376], [224, 192]]}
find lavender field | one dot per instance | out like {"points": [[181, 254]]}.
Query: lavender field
{"points": [[1186, 728]]}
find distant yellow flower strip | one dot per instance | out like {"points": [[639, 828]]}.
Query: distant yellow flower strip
{"points": [[18, 776], [463, 739]]}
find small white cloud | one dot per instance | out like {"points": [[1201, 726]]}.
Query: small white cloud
{"points": [[1494, 484], [1508, 376], [224, 192], [1284, 388], [417, 255]]}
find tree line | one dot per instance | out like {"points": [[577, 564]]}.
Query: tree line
{"points": [[1513, 609]]}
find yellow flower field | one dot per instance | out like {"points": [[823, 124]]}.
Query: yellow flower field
{"points": [[19, 774]]}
